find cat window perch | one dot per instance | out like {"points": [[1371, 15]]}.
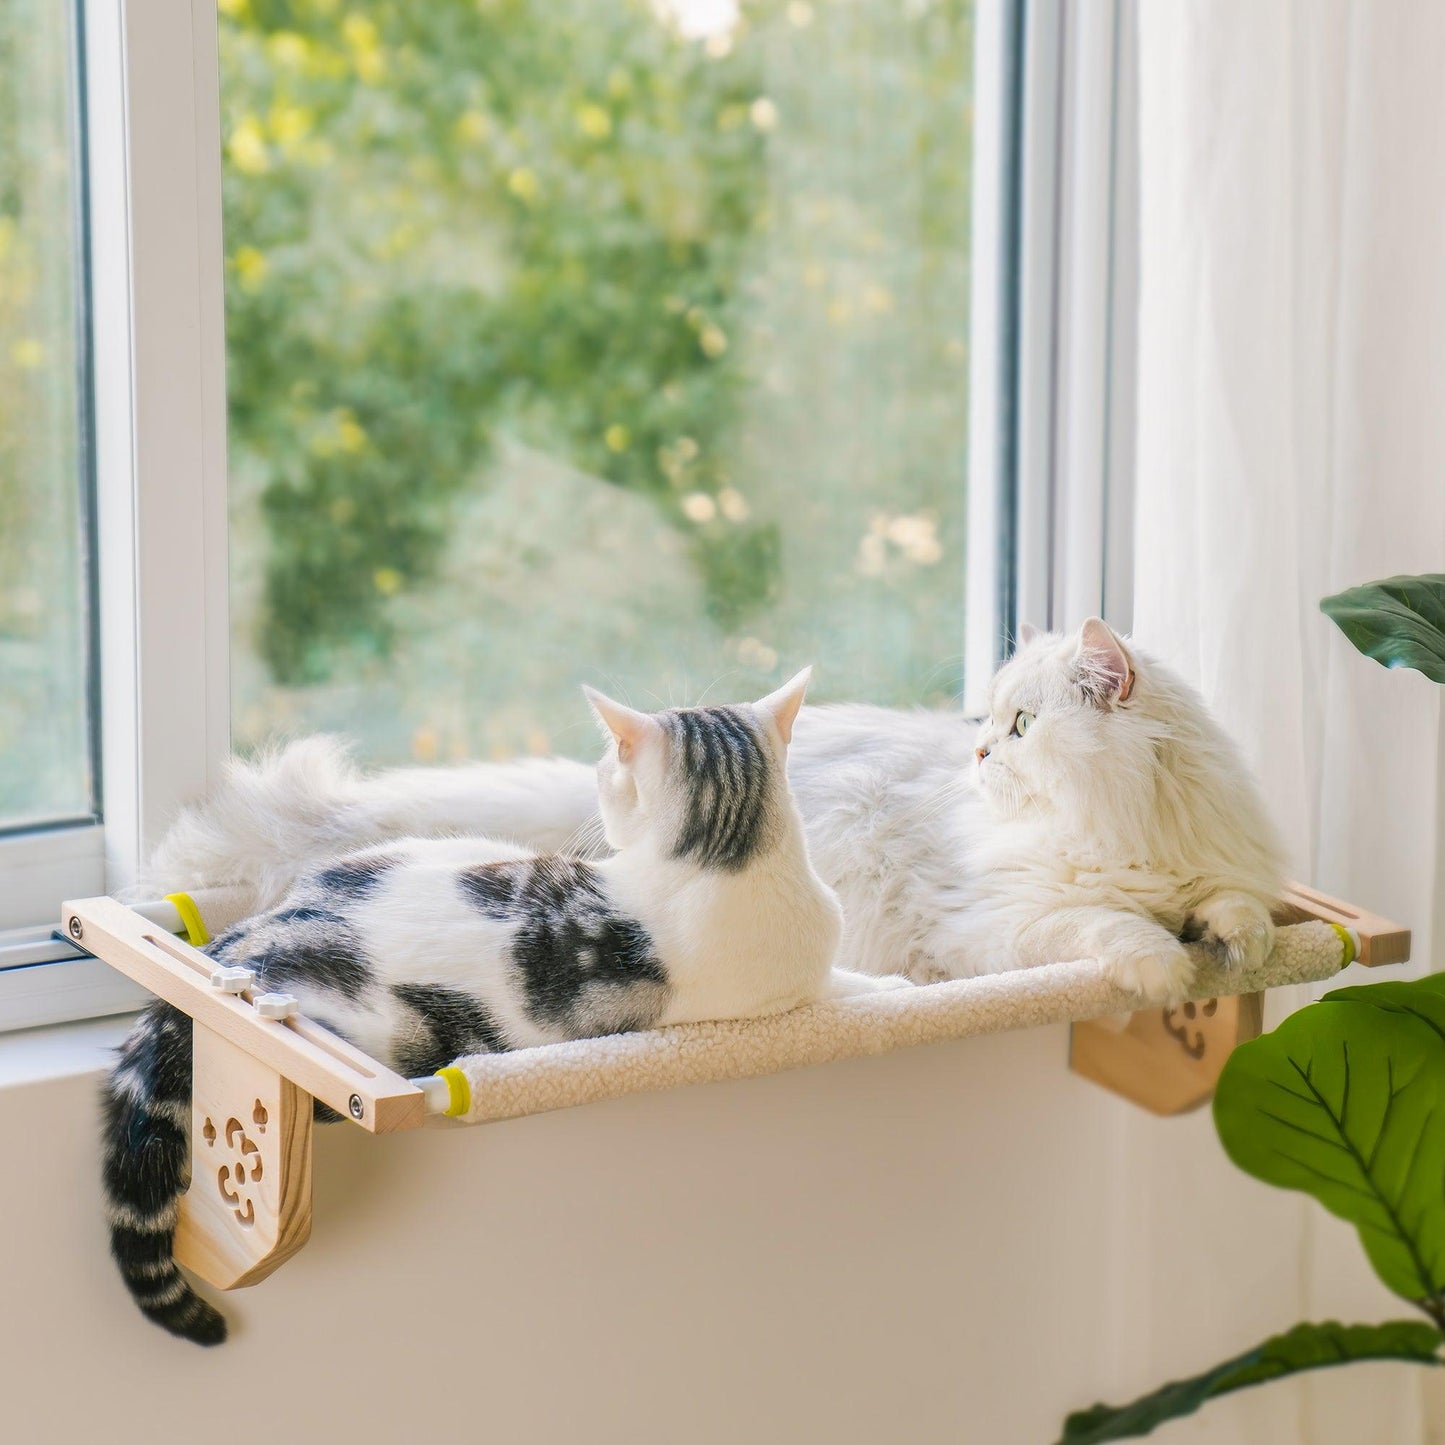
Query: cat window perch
{"points": [[258, 1063]]}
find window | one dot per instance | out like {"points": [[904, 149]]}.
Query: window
{"points": [[667, 343], [47, 773], [623, 340]]}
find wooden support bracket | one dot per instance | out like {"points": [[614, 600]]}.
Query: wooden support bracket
{"points": [[1168, 1060], [248, 1208]]}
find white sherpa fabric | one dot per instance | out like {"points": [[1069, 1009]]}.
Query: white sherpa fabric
{"points": [[532, 1081]]}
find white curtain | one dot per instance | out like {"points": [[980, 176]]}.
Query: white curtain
{"points": [[1291, 442]]}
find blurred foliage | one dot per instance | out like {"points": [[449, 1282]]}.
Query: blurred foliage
{"points": [[694, 264], [452, 218]]}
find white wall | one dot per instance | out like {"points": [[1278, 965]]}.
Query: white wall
{"points": [[925, 1247]]}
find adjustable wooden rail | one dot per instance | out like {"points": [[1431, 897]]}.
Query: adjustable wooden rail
{"points": [[258, 1064]]}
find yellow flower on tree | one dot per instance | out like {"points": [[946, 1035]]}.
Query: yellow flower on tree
{"points": [[472, 127], [287, 50], [289, 123], [27, 353], [251, 268], [387, 581], [360, 33], [617, 437], [350, 434], [247, 147], [594, 121], [362, 37], [523, 184]]}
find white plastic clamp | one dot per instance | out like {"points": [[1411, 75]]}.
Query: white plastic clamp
{"points": [[231, 979], [275, 1005]]}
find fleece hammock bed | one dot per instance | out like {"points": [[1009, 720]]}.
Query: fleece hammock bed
{"points": [[258, 1063]]}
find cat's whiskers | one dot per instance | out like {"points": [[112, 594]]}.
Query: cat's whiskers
{"points": [[586, 840], [721, 677], [947, 797]]}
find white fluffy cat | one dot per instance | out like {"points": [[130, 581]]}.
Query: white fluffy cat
{"points": [[1098, 812]]}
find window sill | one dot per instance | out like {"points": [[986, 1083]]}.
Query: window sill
{"points": [[59, 1051]]}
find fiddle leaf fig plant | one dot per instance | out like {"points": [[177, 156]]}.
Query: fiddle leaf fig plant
{"points": [[1305, 1347], [1400, 622], [1344, 1101]]}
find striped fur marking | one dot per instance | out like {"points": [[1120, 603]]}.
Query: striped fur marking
{"points": [[146, 1169], [729, 770]]}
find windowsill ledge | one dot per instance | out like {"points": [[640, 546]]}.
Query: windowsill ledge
{"points": [[59, 1051]]}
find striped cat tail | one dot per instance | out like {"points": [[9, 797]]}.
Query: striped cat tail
{"points": [[147, 1163]]}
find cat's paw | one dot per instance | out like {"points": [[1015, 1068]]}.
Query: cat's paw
{"points": [[1159, 972], [1239, 926]]}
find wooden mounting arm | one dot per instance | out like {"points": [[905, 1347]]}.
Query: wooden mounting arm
{"points": [[1380, 941], [312, 1057]]}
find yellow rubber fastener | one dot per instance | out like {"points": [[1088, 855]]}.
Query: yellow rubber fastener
{"points": [[458, 1090], [1348, 939], [185, 905]]}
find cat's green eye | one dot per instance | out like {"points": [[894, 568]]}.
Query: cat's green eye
{"points": [[1022, 722]]}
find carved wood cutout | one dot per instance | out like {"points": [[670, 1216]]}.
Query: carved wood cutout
{"points": [[248, 1209], [1167, 1060]]}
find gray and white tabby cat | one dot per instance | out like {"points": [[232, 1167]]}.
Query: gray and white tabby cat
{"points": [[422, 950], [1098, 811]]}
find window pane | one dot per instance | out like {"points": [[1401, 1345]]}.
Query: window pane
{"points": [[45, 748], [611, 339]]}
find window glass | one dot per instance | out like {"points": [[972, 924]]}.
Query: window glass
{"points": [[46, 773], [618, 340]]}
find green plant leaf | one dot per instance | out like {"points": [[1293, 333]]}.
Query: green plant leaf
{"points": [[1305, 1347], [1400, 622], [1345, 1100]]}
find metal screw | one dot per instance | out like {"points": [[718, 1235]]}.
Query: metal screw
{"points": [[356, 1106], [76, 927]]}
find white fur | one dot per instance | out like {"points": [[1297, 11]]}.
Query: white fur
{"points": [[277, 817], [1104, 829]]}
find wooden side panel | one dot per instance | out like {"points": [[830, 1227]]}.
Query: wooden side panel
{"points": [[1166, 1060], [248, 1208]]}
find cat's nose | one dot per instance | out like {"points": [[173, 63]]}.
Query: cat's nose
{"points": [[980, 753]]}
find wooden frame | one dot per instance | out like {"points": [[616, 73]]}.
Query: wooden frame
{"points": [[253, 1079], [258, 1065]]}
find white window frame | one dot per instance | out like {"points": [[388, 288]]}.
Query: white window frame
{"points": [[1047, 465], [151, 93], [1051, 420]]}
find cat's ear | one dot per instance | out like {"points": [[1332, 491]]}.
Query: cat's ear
{"points": [[782, 706], [1027, 633], [630, 728], [1104, 666]]}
